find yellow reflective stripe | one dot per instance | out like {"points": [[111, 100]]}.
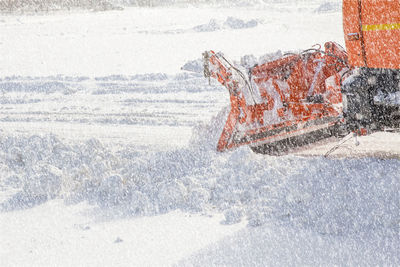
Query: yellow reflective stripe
{"points": [[381, 27]]}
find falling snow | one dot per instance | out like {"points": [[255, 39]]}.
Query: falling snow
{"points": [[108, 135]]}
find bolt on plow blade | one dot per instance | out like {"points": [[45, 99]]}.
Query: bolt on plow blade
{"points": [[294, 95]]}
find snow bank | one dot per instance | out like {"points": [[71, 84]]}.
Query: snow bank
{"points": [[194, 66], [329, 7], [146, 83], [229, 23], [212, 25], [235, 23], [330, 196]]}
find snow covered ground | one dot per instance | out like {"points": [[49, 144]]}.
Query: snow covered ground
{"points": [[108, 148], [72, 236]]}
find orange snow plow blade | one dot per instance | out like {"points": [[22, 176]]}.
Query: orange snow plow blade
{"points": [[291, 96]]}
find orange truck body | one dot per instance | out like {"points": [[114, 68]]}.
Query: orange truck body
{"points": [[372, 33]]}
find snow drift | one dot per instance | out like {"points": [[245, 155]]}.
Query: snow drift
{"points": [[330, 196]]}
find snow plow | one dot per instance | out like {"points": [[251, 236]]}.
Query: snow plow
{"points": [[303, 97]]}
